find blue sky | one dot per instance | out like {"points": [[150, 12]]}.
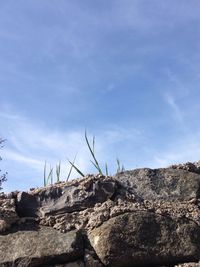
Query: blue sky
{"points": [[128, 71]]}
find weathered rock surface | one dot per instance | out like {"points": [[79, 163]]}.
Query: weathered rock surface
{"points": [[188, 166], [8, 214], [168, 184], [37, 248], [101, 212], [142, 217], [74, 196], [142, 238], [78, 263]]}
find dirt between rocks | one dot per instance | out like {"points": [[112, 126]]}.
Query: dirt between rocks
{"points": [[94, 217]]}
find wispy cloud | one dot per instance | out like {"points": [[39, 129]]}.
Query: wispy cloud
{"points": [[29, 145], [11, 155], [176, 114]]}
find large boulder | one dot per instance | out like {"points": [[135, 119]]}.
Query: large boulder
{"points": [[143, 238], [39, 247], [70, 197], [167, 184]]}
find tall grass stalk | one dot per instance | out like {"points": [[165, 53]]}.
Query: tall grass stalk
{"points": [[91, 146], [76, 168], [106, 167], [120, 168], [58, 171], [71, 168], [49, 176], [95, 163]]}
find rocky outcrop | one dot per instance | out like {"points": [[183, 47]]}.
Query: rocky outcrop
{"points": [[66, 198], [167, 184], [188, 166], [8, 214], [145, 238], [142, 217], [38, 247]]}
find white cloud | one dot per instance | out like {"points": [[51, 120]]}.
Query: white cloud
{"points": [[17, 157], [29, 145], [177, 114]]}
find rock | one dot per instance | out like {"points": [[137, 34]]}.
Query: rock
{"points": [[190, 264], [26, 205], [143, 238], [8, 215], [93, 217], [71, 197], [78, 263], [39, 248], [188, 166], [91, 260], [167, 184], [142, 217]]}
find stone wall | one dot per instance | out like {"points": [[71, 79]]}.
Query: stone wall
{"points": [[144, 217]]}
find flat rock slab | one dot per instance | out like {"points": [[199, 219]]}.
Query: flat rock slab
{"points": [[39, 248], [165, 183], [143, 238], [74, 196]]}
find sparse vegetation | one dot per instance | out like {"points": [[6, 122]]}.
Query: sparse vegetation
{"points": [[48, 177]]}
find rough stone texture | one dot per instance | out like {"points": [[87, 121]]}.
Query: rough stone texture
{"points": [[39, 247], [101, 212], [91, 260], [71, 197], [188, 166], [144, 238], [166, 202], [78, 263], [8, 215], [168, 184]]}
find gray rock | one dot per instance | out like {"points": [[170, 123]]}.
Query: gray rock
{"points": [[144, 238], [8, 215], [188, 166], [78, 263], [71, 197], [39, 248], [167, 184]]}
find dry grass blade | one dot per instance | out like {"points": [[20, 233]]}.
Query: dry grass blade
{"points": [[58, 171], [118, 165], [106, 166], [95, 163], [71, 168], [72, 164], [50, 176]]}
